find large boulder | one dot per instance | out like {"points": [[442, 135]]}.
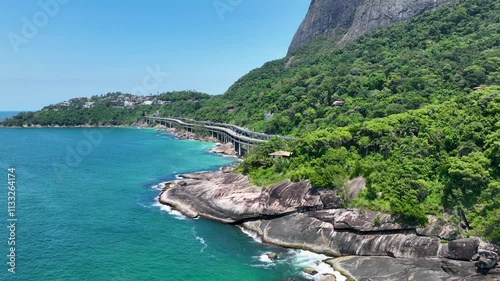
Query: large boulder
{"points": [[463, 249], [229, 197], [272, 256], [327, 277], [485, 259], [310, 271]]}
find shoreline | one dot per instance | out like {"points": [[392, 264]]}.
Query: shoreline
{"points": [[310, 225], [348, 235], [187, 213], [224, 149]]}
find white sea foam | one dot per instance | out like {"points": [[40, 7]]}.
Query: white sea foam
{"points": [[159, 186], [299, 258], [264, 258], [252, 234], [305, 259], [174, 213], [263, 261], [200, 239]]}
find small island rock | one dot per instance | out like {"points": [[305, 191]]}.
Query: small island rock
{"points": [[310, 271], [272, 255]]}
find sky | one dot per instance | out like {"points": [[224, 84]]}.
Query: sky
{"points": [[54, 50]]}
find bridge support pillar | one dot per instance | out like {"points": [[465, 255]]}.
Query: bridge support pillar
{"points": [[237, 147]]}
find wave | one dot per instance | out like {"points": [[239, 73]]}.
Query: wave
{"points": [[252, 234], [300, 259], [305, 259], [174, 213], [264, 261], [200, 239], [265, 258], [157, 187]]}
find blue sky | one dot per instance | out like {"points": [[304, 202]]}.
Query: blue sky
{"points": [[77, 48]]}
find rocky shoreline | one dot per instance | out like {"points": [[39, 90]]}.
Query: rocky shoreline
{"points": [[366, 245], [226, 149], [220, 148]]}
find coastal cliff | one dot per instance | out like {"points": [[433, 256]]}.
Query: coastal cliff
{"points": [[296, 215], [353, 18]]}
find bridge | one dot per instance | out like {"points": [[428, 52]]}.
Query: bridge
{"points": [[242, 139]]}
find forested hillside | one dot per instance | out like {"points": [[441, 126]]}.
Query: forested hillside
{"points": [[434, 160], [415, 109], [425, 61]]}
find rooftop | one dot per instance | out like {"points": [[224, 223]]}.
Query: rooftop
{"points": [[281, 153]]}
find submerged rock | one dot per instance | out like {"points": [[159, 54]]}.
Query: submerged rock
{"points": [[310, 271], [327, 277], [272, 255]]}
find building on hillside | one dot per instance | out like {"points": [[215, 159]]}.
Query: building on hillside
{"points": [[280, 154], [161, 102], [338, 103], [88, 104]]}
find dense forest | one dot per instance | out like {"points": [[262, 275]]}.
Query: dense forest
{"points": [[415, 109]]}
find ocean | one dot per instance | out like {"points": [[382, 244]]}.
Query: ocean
{"points": [[7, 114], [85, 209]]}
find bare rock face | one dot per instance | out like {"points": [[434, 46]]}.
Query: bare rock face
{"points": [[296, 215], [438, 228], [229, 197], [325, 18], [318, 232], [390, 269], [486, 259], [310, 271], [353, 18], [224, 149], [463, 249]]}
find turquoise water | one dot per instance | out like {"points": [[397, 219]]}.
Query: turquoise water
{"points": [[86, 210]]}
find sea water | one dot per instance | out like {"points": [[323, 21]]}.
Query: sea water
{"points": [[86, 209], [7, 114]]}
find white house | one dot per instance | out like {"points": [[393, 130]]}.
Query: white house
{"points": [[88, 104]]}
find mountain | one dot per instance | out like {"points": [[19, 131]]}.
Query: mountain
{"points": [[413, 109], [352, 18]]}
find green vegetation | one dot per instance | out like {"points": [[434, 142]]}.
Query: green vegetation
{"points": [[110, 109], [426, 161], [414, 122]]}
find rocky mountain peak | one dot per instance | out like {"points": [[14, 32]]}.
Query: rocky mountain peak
{"points": [[353, 18]]}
